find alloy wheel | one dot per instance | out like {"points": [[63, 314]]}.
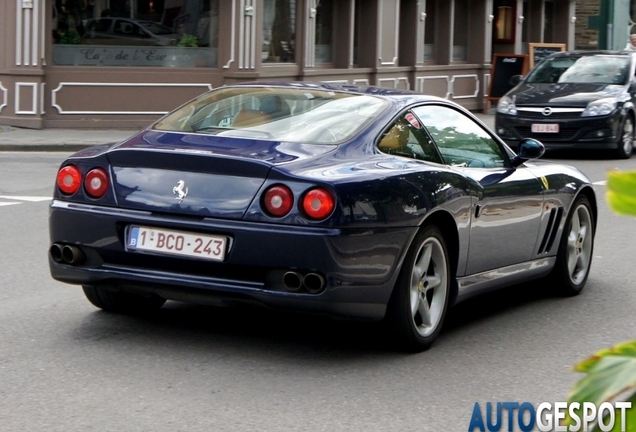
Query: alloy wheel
{"points": [[628, 138], [579, 244], [428, 287]]}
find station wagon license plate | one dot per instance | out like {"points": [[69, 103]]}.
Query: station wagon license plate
{"points": [[545, 128], [171, 242]]}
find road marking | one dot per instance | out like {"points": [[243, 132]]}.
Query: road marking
{"points": [[20, 199], [600, 183], [25, 198]]}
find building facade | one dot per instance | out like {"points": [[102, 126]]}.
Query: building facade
{"points": [[123, 63]]}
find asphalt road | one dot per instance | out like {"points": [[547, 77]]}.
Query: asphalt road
{"points": [[66, 366]]}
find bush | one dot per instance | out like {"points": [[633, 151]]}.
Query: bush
{"points": [[71, 37], [188, 40]]}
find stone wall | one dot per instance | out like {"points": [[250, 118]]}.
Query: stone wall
{"points": [[584, 37]]}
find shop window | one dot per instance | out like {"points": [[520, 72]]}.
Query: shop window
{"points": [[548, 27], [504, 22], [460, 30], [362, 53], [158, 33], [429, 30], [324, 31], [357, 29], [279, 31]]}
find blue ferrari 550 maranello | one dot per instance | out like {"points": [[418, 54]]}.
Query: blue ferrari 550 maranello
{"points": [[355, 202]]}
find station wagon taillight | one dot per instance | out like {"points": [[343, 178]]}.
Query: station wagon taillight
{"points": [[318, 204], [69, 179], [278, 200]]}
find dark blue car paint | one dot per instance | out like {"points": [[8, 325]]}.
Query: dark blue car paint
{"points": [[382, 202]]}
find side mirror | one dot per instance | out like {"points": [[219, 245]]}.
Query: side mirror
{"points": [[528, 149], [515, 79]]}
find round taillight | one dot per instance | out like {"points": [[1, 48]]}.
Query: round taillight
{"points": [[278, 200], [69, 179], [96, 183], [318, 204]]}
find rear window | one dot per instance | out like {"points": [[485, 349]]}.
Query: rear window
{"points": [[281, 114], [597, 69]]}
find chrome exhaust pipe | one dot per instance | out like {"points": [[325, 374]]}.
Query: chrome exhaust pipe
{"points": [[72, 254], [314, 282], [293, 281], [56, 252]]}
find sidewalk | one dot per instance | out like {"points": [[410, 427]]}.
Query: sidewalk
{"points": [[72, 140], [65, 140]]}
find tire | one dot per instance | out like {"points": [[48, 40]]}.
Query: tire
{"points": [[626, 143], [574, 257], [122, 302], [422, 292]]}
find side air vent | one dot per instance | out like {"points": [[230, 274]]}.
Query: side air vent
{"points": [[556, 214]]}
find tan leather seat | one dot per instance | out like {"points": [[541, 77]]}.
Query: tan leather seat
{"points": [[246, 118], [395, 139]]}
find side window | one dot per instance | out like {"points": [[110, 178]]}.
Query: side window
{"points": [[460, 140], [139, 31], [101, 25], [123, 28], [405, 138]]}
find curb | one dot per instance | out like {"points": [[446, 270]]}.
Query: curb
{"points": [[59, 147]]}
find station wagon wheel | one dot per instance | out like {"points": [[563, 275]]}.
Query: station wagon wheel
{"points": [[626, 144], [574, 257], [122, 302], [422, 292]]}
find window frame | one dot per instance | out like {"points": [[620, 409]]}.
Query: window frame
{"points": [[504, 152], [402, 116], [513, 21], [332, 46], [295, 18]]}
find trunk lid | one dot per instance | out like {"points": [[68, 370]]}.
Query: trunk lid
{"points": [[197, 175]]}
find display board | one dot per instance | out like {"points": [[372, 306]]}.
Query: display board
{"points": [[504, 67], [539, 51]]}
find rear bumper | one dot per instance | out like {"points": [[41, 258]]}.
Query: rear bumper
{"points": [[359, 267]]}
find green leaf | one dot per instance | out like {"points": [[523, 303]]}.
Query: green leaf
{"points": [[621, 192], [611, 376], [609, 373], [630, 418], [625, 348]]}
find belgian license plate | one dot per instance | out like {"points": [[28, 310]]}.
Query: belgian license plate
{"points": [[171, 242], [545, 128]]}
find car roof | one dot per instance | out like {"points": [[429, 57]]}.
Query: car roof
{"points": [[593, 53], [343, 88]]}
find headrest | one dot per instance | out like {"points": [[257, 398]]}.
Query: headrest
{"points": [[397, 137], [275, 106], [246, 118]]}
